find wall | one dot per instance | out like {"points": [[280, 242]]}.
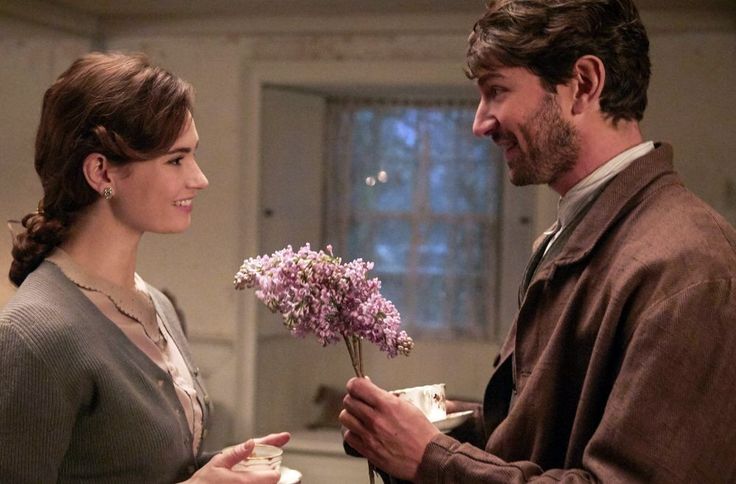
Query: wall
{"points": [[692, 102], [31, 57], [229, 61]]}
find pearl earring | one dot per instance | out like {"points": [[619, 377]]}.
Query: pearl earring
{"points": [[107, 193]]}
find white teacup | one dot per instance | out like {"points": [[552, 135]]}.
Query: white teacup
{"points": [[263, 458], [430, 399]]}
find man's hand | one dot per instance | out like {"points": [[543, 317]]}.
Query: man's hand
{"points": [[391, 433]]}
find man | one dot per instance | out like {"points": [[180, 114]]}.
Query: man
{"points": [[619, 365]]}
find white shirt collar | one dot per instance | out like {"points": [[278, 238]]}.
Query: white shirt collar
{"points": [[585, 189]]}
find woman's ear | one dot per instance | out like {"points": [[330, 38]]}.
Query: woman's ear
{"points": [[589, 76], [95, 168]]}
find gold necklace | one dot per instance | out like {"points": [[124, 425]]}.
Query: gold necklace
{"points": [[160, 340], [135, 303]]}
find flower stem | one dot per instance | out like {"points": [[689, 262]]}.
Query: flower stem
{"points": [[359, 345], [355, 350], [355, 357]]}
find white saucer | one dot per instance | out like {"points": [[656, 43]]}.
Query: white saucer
{"points": [[290, 476], [452, 420]]}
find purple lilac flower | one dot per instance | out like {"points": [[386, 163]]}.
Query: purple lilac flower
{"points": [[316, 293]]}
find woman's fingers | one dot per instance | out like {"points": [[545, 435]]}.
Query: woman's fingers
{"points": [[232, 455], [278, 439]]}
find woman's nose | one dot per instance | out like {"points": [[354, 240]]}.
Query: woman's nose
{"points": [[199, 181]]}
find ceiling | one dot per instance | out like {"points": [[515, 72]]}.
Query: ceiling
{"points": [[188, 8]]}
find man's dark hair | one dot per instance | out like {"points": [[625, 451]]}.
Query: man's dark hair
{"points": [[549, 36]]}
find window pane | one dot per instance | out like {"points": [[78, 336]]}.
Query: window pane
{"points": [[460, 179], [412, 190], [469, 304], [431, 296], [386, 242], [472, 242], [433, 248], [393, 289], [384, 144]]}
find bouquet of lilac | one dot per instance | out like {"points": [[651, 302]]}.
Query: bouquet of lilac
{"points": [[316, 293]]}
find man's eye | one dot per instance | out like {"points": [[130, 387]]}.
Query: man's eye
{"points": [[495, 91]]}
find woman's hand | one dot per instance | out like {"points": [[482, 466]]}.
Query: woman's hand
{"points": [[279, 440], [219, 468]]}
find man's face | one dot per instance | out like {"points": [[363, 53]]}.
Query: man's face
{"points": [[525, 120]]}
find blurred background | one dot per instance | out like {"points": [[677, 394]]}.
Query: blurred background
{"points": [[346, 122]]}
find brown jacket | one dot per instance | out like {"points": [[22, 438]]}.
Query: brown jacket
{"points": [[622, 359]]}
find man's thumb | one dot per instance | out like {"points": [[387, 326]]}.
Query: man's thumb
{"points": [[232, 455]]}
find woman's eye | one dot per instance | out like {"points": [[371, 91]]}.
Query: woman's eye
{"points": [[175, 161]]}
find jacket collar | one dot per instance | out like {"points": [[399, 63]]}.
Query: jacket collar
{"points": [[617, 198]]}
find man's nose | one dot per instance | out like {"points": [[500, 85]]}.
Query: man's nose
{"points": [[484, 123]]}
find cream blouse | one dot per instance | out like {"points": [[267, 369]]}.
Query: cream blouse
{"points": [[133, 312]]}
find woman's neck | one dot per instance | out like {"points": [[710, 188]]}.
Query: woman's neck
{"points": [[103, 248]]}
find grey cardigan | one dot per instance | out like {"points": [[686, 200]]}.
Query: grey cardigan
{"points": [[79, 402]]}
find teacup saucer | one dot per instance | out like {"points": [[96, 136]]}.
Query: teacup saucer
{"points": [[452, 421], [290, 476]]}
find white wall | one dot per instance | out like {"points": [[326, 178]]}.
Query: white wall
{"points": [[693, 104], [228, 61], [31, 57]]}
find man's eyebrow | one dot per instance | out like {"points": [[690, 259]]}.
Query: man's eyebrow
{"points": [[491, 75]]}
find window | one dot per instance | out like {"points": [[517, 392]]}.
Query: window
{"points": [[410, 188]]}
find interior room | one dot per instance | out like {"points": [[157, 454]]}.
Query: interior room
{"points": [[266, 75]]}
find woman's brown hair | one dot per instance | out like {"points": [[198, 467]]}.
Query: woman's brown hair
{"points": [[114, 104]]}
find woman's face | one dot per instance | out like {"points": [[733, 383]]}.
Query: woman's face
{"points": [[157, 195]]}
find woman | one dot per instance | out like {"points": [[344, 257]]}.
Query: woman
{"points": [[97, 381]]}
